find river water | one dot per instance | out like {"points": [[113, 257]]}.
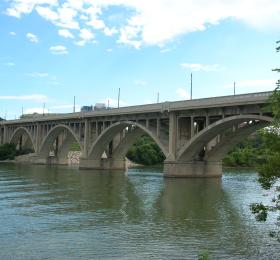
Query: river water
{"points": [[66, 213]]}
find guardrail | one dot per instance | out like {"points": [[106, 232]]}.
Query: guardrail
{"points": [[241, 99]]}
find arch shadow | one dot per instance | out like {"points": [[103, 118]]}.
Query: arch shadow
{"points": [[197, 142], [99, 145], [18, 133], [51, 136]]}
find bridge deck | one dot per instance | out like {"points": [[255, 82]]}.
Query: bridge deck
{"points": [[203, 103]]}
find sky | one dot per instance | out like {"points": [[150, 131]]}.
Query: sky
{"points": [[53, 50]]}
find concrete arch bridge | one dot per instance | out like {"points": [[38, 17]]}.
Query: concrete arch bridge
{"points": [[194, 135]]}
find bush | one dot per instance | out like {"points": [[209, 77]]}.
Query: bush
{"points": [[145, 151], [250, 153], [7, 152]]}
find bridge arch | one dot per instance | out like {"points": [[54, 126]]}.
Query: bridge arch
{"points": [[197, 142], [98, 147], [17, 135], [219, 152], [51, 136], [121, 150]]}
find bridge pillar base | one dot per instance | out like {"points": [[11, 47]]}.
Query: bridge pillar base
{"points": [[50, 160], [103, 164], [192, 169]]}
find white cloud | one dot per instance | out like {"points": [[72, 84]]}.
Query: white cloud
{"points": [[65, 33], [165, 50], [12, 33], [64, 16], [67, 16], [38, 74], [47, 13], [9, 64], [56, 83], [86, 36], [32, 37], [83, 17], [58, 50], [110, 31], [96, 24], [109, 50], [34, 97], [202, 67], [182, 93], [149, 22], [130, 36], [140, 82], [19, 7]]}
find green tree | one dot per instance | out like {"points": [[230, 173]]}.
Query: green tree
{"points": [[269, 171], [7, 152], [145, 151]]}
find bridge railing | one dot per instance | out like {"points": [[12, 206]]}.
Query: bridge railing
{"points": [[241, 99]]}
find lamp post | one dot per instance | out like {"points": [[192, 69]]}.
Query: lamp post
{"points": [[119, 98], [191, 86]]}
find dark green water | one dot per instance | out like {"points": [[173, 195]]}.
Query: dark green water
{"points": [[64, 213]]}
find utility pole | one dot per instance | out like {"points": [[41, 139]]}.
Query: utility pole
{"points": [[74, 107], [5, 114], [43, 108], [119, 98], [158, 97], [108, 104], [21, 111], [234, 88], [191, 86]]}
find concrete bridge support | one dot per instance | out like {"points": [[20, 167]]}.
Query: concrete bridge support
{"points": [[103, 164]]}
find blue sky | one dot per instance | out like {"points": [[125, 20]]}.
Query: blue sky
{"points": [[53, 50]]}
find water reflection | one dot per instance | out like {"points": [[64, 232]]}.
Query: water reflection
{"points": [[194, 199], [136, 214]]}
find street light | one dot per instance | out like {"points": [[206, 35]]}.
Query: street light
{"points": [[191, 86], [119, 98]]}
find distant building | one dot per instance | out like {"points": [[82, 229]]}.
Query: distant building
{"points": [[86, 108], [99, 106]]}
